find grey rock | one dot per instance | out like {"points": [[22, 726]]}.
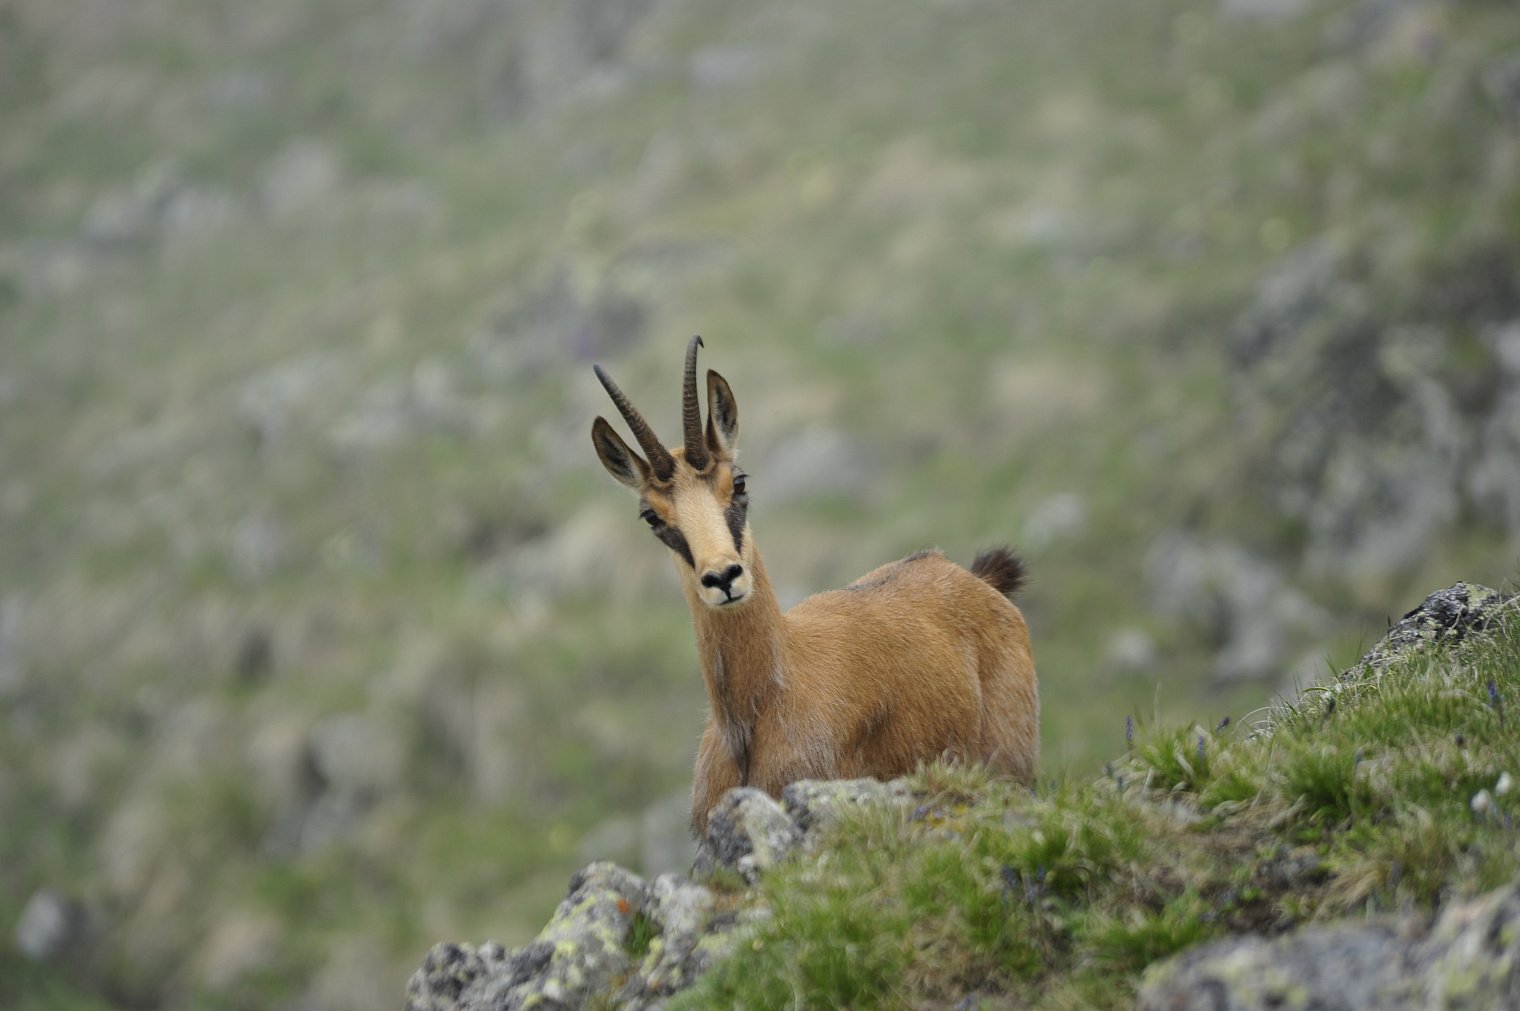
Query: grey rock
{"points": [[587, 939], [1325, 968], [49, 925], [816, 804], [581, 952], [1470, 958], [615, 937], [747, 832], [449, 971], [750, 833], [690, 937], [1446, 617]]}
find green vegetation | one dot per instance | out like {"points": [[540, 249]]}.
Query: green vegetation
{"points": [[322, 634], [1398, 796]]}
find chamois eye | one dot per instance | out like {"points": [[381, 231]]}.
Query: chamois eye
{"points": [[649, 516], [739, 486]]}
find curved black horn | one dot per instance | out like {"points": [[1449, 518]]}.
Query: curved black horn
{"points": [[691, 414], [660, 460]]}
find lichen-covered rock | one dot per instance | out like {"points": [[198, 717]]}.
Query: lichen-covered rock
{"points": [[584, 950], [1445, 617], [747, 832], [1324, 968], [1470, 958], [620, 938], [689, 934], [814, 804], [449, 971]]}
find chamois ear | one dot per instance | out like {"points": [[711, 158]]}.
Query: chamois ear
{"points": [[620, 461], [722, 417]]}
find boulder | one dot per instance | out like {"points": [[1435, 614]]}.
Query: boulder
{"points": [[614, 933], [618, 936], [1469, 958], [1445, 617], [747, 832]]}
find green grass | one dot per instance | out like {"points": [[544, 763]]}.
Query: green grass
{"points": [[1063, 897]]}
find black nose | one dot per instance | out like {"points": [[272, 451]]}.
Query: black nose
{"points": [[723, 580]]}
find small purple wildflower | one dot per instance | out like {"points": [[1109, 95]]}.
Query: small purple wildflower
{"points": [[1129, 730], [1222, 724]]}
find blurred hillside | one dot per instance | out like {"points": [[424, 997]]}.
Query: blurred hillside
{"points": [[312, 591]]}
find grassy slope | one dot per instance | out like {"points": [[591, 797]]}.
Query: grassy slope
{"points": [[1359, 800], [1037, 218]]}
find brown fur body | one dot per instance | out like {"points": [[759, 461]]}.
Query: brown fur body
{"points": [[918, 659]]}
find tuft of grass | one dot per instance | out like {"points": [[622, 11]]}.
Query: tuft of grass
{"points": [[642, 930]]}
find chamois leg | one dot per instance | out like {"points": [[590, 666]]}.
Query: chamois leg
{"points": [[715, 775], [1010, 716]]}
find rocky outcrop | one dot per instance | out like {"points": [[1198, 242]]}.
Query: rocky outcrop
{"points": [[638, 942], [1469, 958], [1444, 618]]}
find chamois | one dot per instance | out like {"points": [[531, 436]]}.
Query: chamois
{"points": [[915, 660]]}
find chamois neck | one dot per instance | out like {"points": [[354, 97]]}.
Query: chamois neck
{"points": [[740, 651]]}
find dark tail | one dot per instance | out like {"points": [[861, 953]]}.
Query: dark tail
{"points": [[1003, 569]]}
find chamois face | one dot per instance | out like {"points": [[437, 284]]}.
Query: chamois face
{"points": [[694, 498], [703, 518]]}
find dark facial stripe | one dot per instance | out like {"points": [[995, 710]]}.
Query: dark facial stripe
{"points": [[676, 541], [736, 512]]}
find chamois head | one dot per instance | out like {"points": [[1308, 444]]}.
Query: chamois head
{"points": [[694, 497]]}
